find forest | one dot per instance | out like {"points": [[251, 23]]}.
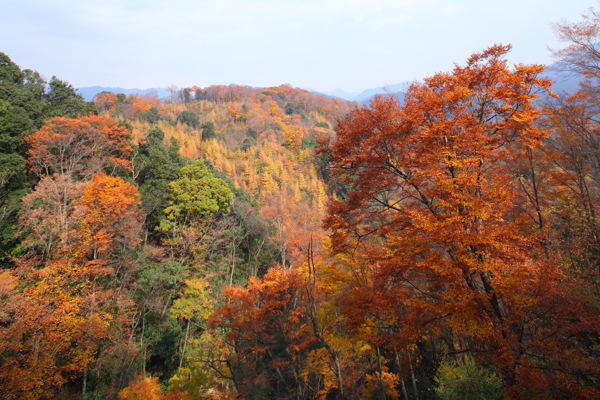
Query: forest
{"points": [[233, 242]]}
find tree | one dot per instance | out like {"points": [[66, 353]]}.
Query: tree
{"points": [[292, 136], [437, 210], [106, 101], [194, 198], [198, 94], [186, 95], [155, 166], [188, 118], [20, 110], [270, 335], [194, 307], [69, 310], [467, 380], [148, 388], [581, 54], [208, 131], [14, 125], [159, 334], [572, 155], [79, 147], [49, 217], [142, 388], [63, 100], [151, 115], [112, 220], [9, 72]]}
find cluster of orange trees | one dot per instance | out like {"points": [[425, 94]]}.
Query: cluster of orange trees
{"points": [[234, 242]]}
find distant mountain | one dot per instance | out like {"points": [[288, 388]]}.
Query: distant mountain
{"points": [[564, 83], [366, 95], [342, 94], [89, 92]]}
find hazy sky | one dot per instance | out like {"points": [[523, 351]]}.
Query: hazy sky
{"points": [[318, 44]]}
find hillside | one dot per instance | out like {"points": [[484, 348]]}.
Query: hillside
{"points": [[273, 243]]}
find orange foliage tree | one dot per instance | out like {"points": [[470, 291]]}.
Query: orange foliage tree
{"points": [[148, 388], [268, 330], [68, 304], [112, 217], [106, 101], [437, 211], [79, 147]]}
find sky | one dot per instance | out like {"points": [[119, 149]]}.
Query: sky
{"points": [[315, 44]]}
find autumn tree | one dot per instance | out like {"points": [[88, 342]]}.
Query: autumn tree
{"points": [[195, 305], [437, 210], [148, 388], [108, 234], [49, 216], [79, 147], [135, 105], [112, 219], [572, 155], [106, 101], [268, 330], [294, 223], [574, 171], [581, 54]]}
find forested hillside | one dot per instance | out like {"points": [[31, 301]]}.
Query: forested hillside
{"points": [[235, 242]]}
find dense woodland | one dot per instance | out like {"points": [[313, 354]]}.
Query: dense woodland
{"points": [[235, 242]]}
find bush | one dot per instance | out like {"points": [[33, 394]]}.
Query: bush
{"points": [[458, 380]]}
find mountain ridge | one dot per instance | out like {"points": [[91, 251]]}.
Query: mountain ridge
{"points": [[563, 84]]}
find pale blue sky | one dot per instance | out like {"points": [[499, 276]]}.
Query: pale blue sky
{"points": [[318, 44]]}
